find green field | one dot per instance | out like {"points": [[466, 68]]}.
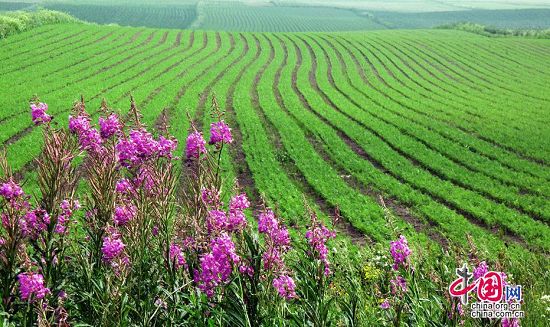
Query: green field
{"points": [[460, 142], [449, 128]]}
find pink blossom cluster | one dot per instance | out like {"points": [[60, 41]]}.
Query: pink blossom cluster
{"points": [[317, 238], [398, 285], [176, 256], [216, 221], [10, 190], [109, 126], [39, 115], [480, 270], [34, 223], [124, 186], [195, 146], [246, 270], [285, 286], [400, 252], [88, 137], [67, 210], [166, 146], [237, 219], [124, 214], [510, 322], [140, 146], [217, 265], [220, 133], [31, 286], [112, 247], [233, 221], [79, 124], [211, 198], [145, 179], [277, 240]]}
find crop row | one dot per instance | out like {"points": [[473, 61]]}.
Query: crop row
{"points": [[338, 118]]}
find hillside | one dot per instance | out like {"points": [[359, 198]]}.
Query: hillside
{"points": [[299, 16]]}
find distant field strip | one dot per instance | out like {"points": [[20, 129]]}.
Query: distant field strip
{"points": [[454, 141]]}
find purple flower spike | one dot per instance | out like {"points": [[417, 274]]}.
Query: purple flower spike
{"points": [[195, 145], [38, 112], [220, 133], [31, 286], [10, 190], [176, 256], [112, 246], [400, 252], [285, 286], [480, 270], [385, 305], [109, 126]]}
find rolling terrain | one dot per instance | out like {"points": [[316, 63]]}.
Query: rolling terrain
{"points": [[455, 142]]}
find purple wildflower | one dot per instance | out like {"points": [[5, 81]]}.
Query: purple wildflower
{"points": [[217, 265], [317, 238], [176, 256], [273, 259], [398, 285], [277, 233], [246, 270], [90, 140], [400, 252], [38, 112], [217, 221], [460, 309], [195, 145], [34, 223], [79, 124], [137, 148], [285, 287], [155, 231], [480, 270], [385, 305], [61, 225], [237, 220], [112, 246], [109, 126], [144, 178], [510, 322], [220, 132], [145, 144], [239, 202], [277, 240], [124, 186], [67, 208], [124, 214], [10, 190], [167, 146], [31, 286], [211, 197]]}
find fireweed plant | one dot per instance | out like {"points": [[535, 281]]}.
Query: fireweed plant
{"points": [[150, 241]]}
